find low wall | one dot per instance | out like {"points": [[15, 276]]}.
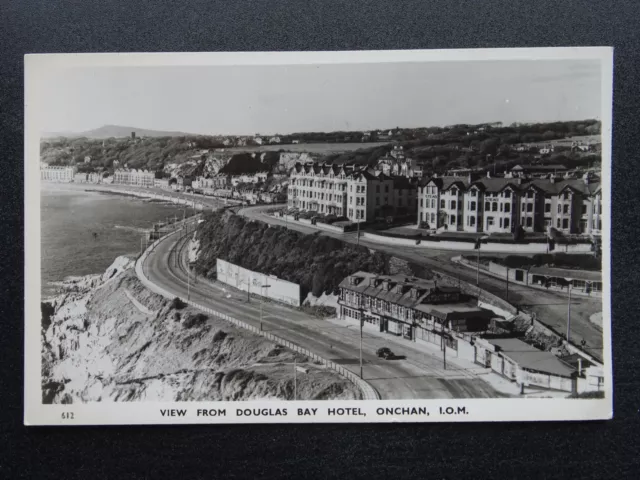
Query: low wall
{"points": [[483, 295], [368, 392], [248, 280], [489, 247]]}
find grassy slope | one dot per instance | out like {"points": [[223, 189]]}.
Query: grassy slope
{"points": [[317, 263]]}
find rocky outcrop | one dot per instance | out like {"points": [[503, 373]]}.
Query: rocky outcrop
{"points": [[109, 339]]}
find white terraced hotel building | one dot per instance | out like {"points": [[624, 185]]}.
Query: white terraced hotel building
{"points": [[139, 178], [498, 205], [57, 174], [361, 194]]}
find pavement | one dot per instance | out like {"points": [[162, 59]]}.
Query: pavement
{"points": [[414, 377], [551, 308]]}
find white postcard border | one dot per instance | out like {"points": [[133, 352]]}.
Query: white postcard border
{"points": [[477, 410]]}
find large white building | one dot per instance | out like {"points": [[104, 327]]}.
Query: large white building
{"points": [[361, 194], [499, 205], [57, 173], [139, 178]]}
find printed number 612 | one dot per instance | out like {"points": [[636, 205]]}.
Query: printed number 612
{"points": [[67, 415]]}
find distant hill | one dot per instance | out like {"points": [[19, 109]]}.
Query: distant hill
{"points": [[117, 131]]}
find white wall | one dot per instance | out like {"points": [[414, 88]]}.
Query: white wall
{"points": [[488, 247], [238, 277]]}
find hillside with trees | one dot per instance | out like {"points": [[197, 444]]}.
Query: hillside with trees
{"points": [[317, 263], [437, 149]]}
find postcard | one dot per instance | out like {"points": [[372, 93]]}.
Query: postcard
{"points": [[318, 237]]}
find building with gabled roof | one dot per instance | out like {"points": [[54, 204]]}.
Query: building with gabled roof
{"points": [[501, 204], [412, 307], [360, 193]]}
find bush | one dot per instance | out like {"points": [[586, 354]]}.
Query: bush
{"points": [[194, 320], [177, 304]]}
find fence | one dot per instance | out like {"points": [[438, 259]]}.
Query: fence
{"points": [[368, 392]]}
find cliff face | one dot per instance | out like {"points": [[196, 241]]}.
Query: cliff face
{"points": [[110, 339]]}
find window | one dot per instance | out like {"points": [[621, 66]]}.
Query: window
{"points": [[523, 207], [452, 220], [386, 189], [584, 209], [473, 206], [566, 195], [565, 209], [454, 191], [507, 194], [500, 222], [433, 218], [487, 206], [507, 207], [529, 221], [453, 204], [351, 188], [558, 223], [489, 221], [433, 203], [547, 208], [494, 207], [565, 223], [506, 223], [529, 207], [559, 208], [473, 193], [421, 203], [441, 203], [472, 221], [529, 194]]}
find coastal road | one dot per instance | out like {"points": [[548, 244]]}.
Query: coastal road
{"points": [[417, 376], [550, 307]]}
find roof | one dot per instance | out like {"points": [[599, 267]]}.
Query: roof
{"points": [[455, 311], [530, 358], [557, 186], [496, 185], [423, 287], [446, 182], [586, 275]]}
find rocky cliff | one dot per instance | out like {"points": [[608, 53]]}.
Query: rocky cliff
{"points": [[109, 339]]}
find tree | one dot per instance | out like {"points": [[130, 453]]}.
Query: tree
{"points": [[518, 233]]}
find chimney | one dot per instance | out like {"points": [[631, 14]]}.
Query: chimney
{"points": [[488, 174], [579, 367], [552, 178]]}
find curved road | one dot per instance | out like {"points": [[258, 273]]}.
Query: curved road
{"points": [[550, 307], [417, 376]]}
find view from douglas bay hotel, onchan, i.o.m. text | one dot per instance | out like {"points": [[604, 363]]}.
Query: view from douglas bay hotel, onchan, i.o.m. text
{"points": [[415, 236]]}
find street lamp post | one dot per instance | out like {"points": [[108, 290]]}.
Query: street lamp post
{"points": [[361, 310], [263, 286], [569, 313]]}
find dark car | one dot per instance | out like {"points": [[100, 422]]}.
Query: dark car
{"points": [[385, 353]]}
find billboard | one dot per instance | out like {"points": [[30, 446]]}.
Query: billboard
{"points": [[268, 286]]}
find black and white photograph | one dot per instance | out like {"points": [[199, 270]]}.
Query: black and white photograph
{"points": [[398, 236]]}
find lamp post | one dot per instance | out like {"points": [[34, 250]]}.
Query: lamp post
{"points": [[569, 313], [263, 286]]}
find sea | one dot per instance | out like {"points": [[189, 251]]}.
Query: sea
{"points": [[82, 232]]}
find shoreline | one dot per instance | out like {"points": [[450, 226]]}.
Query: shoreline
{"points": [[65, 285]]}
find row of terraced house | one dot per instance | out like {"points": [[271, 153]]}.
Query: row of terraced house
{"points": [[358, 193], [488, 205], [455, 203]]}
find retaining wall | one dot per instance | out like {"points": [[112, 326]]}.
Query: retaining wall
{"points": [[489, 247], [368, 392]]}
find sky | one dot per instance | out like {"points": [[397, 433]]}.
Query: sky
{"points": [[245, 100]]}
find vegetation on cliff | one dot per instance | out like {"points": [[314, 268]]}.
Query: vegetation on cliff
{"points": [[317, 263]]}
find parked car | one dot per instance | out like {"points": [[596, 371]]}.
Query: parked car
{"points": [[385, 353]]}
